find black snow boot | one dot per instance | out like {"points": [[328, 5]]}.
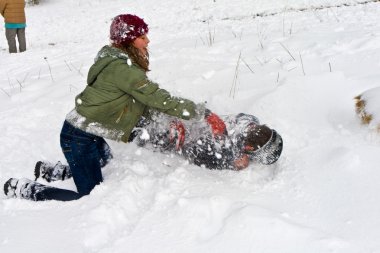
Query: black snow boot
{"points": [[51, 172], [22, 188], [10, 187]]}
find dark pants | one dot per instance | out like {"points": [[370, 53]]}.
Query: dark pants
{"points": [[86, 154], [42, 192], [10, 34]]}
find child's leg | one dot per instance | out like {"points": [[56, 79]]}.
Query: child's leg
{"points": [[82, 152], [31, 190], [57, 172], [104, 152]]}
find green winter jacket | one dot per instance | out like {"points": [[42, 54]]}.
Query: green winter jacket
{"points": [[117, 94]]}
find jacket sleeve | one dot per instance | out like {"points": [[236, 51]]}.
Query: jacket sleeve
{"points": [[136, 84], [2, 7]]}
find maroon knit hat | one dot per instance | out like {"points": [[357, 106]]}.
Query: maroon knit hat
{"points": [[125, 28]]}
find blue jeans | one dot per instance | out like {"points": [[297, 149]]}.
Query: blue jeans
{"points": [[86, 154]]}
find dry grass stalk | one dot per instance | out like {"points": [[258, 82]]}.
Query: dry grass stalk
{"points": [[303, 69], [77, 69], [6, 93], [67, 65], [287, 50], [247, 65], [20, 84], [235, 80], [51, 75], [360, 104]]}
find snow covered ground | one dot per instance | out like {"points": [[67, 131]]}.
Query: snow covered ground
{"points": [[298, 72]]}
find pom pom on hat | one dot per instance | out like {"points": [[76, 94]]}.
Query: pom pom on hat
{"points": [[125, 28]]}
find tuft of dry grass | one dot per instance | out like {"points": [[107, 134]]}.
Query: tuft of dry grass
{"points": [[365, 117]]}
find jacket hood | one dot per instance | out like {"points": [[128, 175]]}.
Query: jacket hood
{"points": [[105, 56]]}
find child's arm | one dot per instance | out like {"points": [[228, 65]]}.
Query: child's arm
{"points": [[218, 127]]}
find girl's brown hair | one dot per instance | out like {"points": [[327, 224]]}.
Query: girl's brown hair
{"points": [[136, 56]]}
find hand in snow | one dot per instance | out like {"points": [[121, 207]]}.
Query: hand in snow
{"points": [[242, 162], [177, 133]]}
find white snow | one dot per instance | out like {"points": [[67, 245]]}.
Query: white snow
{"points": [[298, 72]]}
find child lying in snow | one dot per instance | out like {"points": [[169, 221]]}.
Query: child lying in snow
{"points": [[231, 143]]}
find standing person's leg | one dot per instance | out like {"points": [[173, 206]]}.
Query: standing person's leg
{"points": [[10, 34], [21, 39], [83, 156]]}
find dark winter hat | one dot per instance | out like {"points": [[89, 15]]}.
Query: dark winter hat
{"points": [[271, 151], [244, 120], [266, 141], [125, 28]]}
